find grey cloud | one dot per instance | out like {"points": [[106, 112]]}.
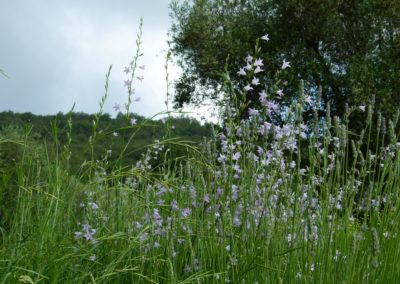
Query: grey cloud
{"points": [[57, 52]]}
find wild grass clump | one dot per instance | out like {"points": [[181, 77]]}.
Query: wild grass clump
{"points": [[270, 198]]}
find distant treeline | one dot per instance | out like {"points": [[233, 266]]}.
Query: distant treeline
{"points": [[112, 134]]}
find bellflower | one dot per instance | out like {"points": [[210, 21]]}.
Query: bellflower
{"points": [[258, 62], [248, 88], [253, 112], [248, 66], [249, 58], [258, 70], [255, 81], [263, 96], [236, 156], [116, 107], [265, 37], [127, 70], [241, 72], [186, 212], [285, 64]]}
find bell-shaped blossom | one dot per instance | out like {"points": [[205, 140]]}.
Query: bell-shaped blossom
{"points": [[263, 96], [255, 81], [241, 72], [258, 70], [248, 88], [265, 37], [236, 156], [258, 62], [285, 64], [186, 212], [116, 107], [127, 70], [248, 66], [253, 112]]}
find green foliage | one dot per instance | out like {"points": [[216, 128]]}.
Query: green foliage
{"points": [[349, 48], [113, 134]]}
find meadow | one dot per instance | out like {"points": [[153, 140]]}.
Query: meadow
{"points": [[268, 198]]}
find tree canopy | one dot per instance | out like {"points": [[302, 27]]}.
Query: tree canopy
{"points": [[350, 49]]}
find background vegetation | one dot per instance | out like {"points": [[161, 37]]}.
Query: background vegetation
{"points": [[115, 133]]}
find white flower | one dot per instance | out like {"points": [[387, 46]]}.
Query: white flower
{"points": [[221, 158], [258, 70], [248, 88], [249, 58], [279, 93], [242, 72], [133, 121], [253, 112], [362, 108], [248, 66], [265, 37], [236, 156], [94, 205], [116, 107], [258, 62], [263, 95], [285, 64], [255, 81]]}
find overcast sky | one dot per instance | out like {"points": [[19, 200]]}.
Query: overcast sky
{"points": [[58, 52]]}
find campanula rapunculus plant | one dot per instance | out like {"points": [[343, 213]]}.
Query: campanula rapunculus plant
{"points": [[269, 198]]}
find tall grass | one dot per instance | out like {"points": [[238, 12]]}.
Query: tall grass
{"points": [[267, 199]]}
